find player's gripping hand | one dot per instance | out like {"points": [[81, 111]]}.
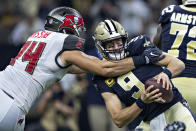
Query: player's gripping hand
{"points": [[162, 77], [149, 96], [150, 55]]}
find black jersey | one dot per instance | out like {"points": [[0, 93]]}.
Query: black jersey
{"points": [[137, 45], [178, 35], [128, 87]]}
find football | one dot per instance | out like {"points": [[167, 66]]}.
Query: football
{"points": [[167, 95]]}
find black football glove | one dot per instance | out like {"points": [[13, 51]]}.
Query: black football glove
{"points": [[150, 55], [175, 126]]}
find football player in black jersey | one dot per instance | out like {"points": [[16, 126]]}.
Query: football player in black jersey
{"points": [[140, 104], [176, 35]]}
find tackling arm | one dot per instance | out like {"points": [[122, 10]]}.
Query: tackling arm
{"points": [[76, 70], [94, 65]]}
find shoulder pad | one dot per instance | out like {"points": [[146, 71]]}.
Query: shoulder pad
{"points": [[147, 42], [73, 42], [135, 39], [168, 9], [142, 40], [166, 13], [138, 44]]}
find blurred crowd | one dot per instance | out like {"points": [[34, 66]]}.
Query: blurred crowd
{"points": [[73, 103]]}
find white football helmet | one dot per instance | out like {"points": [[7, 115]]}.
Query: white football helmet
{"points": [[107, 31]]}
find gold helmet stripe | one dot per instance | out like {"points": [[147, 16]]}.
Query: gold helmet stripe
{"points": [[111, 28]]}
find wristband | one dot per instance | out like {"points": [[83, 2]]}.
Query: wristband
{"points": [[138, 61], [168, 72], [140, 103]]}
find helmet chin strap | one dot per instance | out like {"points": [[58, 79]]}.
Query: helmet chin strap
{"points": [[76, 30]]}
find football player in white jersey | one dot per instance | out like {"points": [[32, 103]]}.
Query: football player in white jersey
{"points": [[45, 58]]}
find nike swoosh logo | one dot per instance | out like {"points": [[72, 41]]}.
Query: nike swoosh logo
{"points": [[153, 54]]}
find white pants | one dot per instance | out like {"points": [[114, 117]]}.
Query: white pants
{"points": [[11, 117], [177, 112]]}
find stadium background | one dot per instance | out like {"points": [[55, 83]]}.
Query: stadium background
{"points": [[20, 18]]}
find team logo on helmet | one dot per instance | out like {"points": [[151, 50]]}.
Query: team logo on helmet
{"points": [[65, 20], [72, 22]]}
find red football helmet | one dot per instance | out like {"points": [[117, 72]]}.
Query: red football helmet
{"points": [[65, 20]]}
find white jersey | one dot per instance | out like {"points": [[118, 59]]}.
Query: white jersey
{"points": [[35, 68]]}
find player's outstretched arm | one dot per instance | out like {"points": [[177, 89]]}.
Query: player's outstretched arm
{"points": [[76, 70], [94, 65]]}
